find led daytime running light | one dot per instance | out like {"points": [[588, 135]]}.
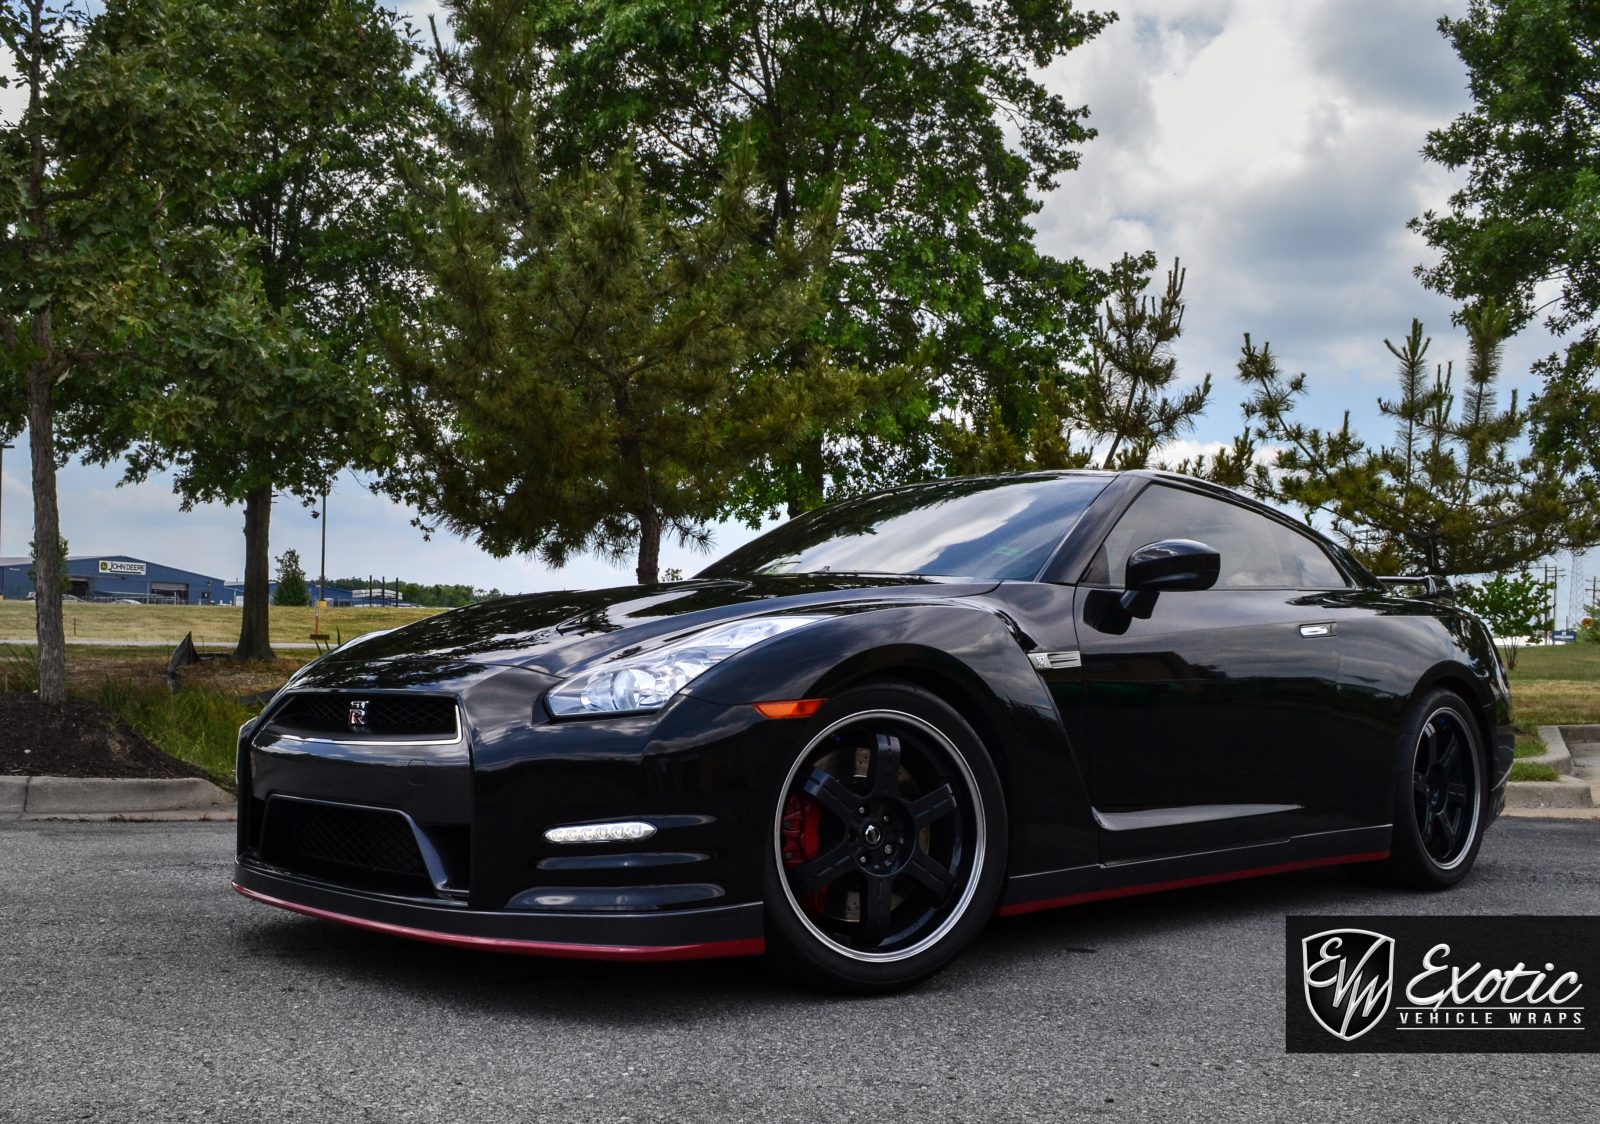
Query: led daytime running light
{"points": [[628, 831]]}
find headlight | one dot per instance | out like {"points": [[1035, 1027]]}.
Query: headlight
{"points": [[646, 682]]}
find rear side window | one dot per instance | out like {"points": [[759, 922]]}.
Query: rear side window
{"points": [[1257, 552]]}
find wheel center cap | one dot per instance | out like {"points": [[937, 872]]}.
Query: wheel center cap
{"points": [[872, 835]]}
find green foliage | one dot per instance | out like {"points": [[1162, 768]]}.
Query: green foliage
{"points": [[1114, 414], [1125, 408], [193, 724], [122, 130], [66, 579], [1589, 627], [1524, 229], [1450, 496], [1516, 607], [930, 125], [291, 580], [1529, 211], [591, 370], [272, 389]]}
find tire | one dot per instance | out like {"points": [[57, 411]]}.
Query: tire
{"points": [[1440, 797], [887, 844]]}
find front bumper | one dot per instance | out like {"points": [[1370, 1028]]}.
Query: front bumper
{"points": [[444, 841], [694, 934]]}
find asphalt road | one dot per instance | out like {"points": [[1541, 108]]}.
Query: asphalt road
{"points": [[134, 985]]}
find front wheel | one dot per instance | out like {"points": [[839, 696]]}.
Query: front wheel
{"points": [[888, 842], [1439, 796]]}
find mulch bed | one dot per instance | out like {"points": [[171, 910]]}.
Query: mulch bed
{"points": [[79, 739]]}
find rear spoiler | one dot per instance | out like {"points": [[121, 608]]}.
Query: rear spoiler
{"points": [[1426, 585]]}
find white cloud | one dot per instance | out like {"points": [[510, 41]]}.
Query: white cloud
{"points": [[1275, 148]]}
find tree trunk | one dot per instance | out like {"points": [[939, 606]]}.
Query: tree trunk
{"points": [[40, 392], [46, 527], [255, 640], [649, 546]]}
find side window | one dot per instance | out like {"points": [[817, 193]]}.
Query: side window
{"points": [[1257, 552]]}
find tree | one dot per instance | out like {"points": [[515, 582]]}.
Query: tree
{"points": [[1451, 496], [1528, 215], [930, 120], [1114, 414], [1124, 408], [1524, 229], [291, 580], [328, 104], [582, 376], [119, 130], [1516, 607]]}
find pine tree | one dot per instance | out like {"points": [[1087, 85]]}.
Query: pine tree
{"points": [[589, 372], [291, 581], [1452, 496]]}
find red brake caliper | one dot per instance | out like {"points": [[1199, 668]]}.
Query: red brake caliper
{"points": [[802, 841]]}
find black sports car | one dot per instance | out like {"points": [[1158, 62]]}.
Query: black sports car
{"points": [[851, 742]]}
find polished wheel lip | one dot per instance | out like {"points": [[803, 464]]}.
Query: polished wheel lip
{"points": [[1475, 783], [978, 854]]}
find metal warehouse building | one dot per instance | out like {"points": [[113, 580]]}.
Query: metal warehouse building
{"points": [[117, 577]]}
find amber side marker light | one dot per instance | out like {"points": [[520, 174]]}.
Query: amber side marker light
{"points": [[793, 708]]}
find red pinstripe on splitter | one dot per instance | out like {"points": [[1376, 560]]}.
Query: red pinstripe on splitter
{"points": [[753, 946]]}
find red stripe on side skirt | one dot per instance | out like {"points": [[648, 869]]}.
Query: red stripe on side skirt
{"points": [[1014, 908]]}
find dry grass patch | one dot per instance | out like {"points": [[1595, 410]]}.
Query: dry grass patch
{"points": [[210, 624]]}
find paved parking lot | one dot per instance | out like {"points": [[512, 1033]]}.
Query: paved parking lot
{"points": [[135, 986]]}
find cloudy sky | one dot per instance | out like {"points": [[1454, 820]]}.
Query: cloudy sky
{"points": [[1273, 147]]}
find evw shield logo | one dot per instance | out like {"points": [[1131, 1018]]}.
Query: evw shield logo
{"points": [[1349, 979]]}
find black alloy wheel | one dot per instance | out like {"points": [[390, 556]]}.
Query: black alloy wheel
{"points": [[1440, 799], [1446, 788], [888, 841]]}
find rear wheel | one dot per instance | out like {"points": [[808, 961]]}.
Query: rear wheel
{"points": [[1439, 797], [888, 842]]}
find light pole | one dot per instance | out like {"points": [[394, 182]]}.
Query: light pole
{"points": [[322, 569], [3, 448]]}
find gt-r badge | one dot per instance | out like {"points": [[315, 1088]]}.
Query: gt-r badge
{"points": [[1048, 661], [1349, 979], [358, 714]]}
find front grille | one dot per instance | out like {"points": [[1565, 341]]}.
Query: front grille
{"points": [[365, 847], [421, 717]]}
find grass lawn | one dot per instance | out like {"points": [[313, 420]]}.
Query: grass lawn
{"points": [[1556, 686], [211, 624]]}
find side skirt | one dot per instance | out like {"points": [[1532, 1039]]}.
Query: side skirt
{"points": [[1052, 889]]}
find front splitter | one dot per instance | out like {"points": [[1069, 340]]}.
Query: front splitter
{"points": [[699, 934]]}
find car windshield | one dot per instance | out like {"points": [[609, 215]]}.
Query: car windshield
{"points": [[994, 529]]}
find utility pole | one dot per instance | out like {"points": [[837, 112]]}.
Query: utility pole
{"points": [[1552, 577], [3, 448]]}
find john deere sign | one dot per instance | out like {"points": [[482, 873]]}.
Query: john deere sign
{"points": [[107, 566]]}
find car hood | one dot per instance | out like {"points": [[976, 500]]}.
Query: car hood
{"points": [[553, 632]]}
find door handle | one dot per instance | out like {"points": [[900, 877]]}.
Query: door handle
{"points": [[1314, 630]]}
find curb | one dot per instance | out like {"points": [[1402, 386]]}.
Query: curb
{"points": [[1567, 796], [107, 798], [1556, 754], [1568, 792]]}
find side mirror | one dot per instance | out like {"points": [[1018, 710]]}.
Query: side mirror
{"points": [[1172, 564]]}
